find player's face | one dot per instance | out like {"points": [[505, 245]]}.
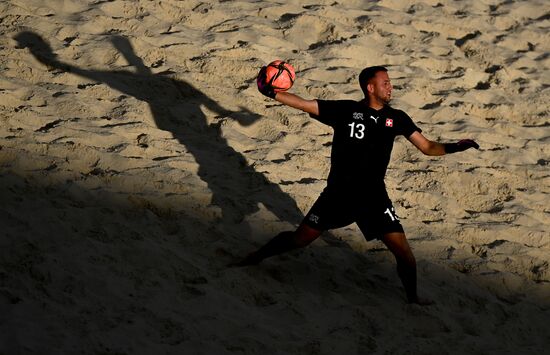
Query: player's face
{"points": [[381, 86]]}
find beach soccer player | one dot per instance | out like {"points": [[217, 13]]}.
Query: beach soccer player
{"points": [[364, 133]]}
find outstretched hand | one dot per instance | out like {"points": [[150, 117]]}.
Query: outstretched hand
{"points": [[263, 86], [460, 146]]}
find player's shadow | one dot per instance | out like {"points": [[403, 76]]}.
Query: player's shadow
{"points": [[176, 107]]}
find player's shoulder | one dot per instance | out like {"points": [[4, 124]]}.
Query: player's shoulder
{"points": [[334, 106], [396, 112], [391, 109], [339, 102]]}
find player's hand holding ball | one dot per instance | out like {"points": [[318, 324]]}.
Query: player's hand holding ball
{"points": [[275, 77]]}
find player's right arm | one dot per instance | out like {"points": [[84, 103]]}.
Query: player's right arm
{"points": [[295, 101], [286, 98]]}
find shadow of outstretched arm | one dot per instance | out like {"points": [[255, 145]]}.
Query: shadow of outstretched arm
{"points": [[121, 80], [244, 116], [123, 45], [42, 51]]}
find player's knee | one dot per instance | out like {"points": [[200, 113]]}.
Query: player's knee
{"points": [[292, 239], [304, 235], [302, 240]]}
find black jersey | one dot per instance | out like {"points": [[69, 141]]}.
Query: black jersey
{"points": [[362, 143]]}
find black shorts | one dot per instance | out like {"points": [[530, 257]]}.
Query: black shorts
{"points": [[374, 214]]}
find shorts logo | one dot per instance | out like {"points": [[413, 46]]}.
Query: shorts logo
{"points": [[389, 122], [358, 116], [314, 218]]}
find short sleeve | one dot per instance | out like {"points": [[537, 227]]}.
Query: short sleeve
{"points": [[329, 111], [407, 126]]}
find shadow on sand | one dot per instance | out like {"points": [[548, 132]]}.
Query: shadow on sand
{"points": [[236, 187]]}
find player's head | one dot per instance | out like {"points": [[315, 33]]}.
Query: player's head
{"points": [[37, 45], [375, 83]]}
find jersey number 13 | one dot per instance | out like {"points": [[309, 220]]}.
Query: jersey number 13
{"points": [[357, 130]]}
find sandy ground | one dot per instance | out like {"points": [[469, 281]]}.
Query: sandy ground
{"points": [[137, 159]]}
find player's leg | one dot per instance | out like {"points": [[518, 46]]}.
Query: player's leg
{"points": [[379, 220], [406, 263], [281, 243], [322, 216]]}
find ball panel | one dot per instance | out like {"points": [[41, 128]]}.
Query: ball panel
{"points": [[280, 75]]}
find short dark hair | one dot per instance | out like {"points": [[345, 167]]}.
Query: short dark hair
{"points": [[367, 74]]}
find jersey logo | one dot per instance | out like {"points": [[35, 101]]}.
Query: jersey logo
{"points": [[374, 118], [358, 116], [314, 218], [389, 122]]}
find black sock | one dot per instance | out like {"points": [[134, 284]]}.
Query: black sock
{"points": [[281, 243], [407, 274]]}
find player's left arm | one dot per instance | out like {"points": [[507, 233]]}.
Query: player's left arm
{"points": [[429, 147]]}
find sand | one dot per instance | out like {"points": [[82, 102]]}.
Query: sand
{"points": [[137, 159]]}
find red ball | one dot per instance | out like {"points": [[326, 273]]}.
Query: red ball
{"points": [[280, 75]]}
